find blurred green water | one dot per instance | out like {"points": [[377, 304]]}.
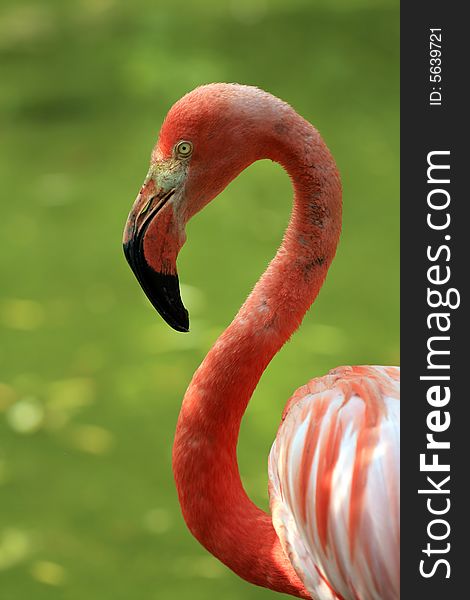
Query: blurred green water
{"points": [[90, 378]]}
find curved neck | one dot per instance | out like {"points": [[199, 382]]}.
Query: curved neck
{"points": [[214, 503]]}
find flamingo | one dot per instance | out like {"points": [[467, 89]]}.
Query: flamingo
{"points": [[333, 531]]}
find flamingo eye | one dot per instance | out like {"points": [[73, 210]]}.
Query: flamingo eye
{"points": [[183, 149]]}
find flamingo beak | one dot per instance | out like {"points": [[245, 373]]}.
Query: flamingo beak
{"points": [[147, 227]]}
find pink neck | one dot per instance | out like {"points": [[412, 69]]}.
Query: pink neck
{"points": [[214, 504]]}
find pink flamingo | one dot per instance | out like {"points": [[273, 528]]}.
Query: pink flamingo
{"points": [[334, 466]]}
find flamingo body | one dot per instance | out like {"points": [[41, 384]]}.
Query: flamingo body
{"points": [[334, 475], [333, 532]]}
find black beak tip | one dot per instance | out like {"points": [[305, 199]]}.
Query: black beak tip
{"points": [[162, 289], [182, 325]]}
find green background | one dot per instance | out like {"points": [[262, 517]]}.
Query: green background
{"points": [[91, 379]]}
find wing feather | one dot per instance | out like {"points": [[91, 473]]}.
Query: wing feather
{"points": [[334, 484]]}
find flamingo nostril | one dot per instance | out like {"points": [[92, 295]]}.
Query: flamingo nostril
{"points": [[147, 205]]}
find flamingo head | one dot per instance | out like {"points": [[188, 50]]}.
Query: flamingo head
{"points": [[206, 140]]}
